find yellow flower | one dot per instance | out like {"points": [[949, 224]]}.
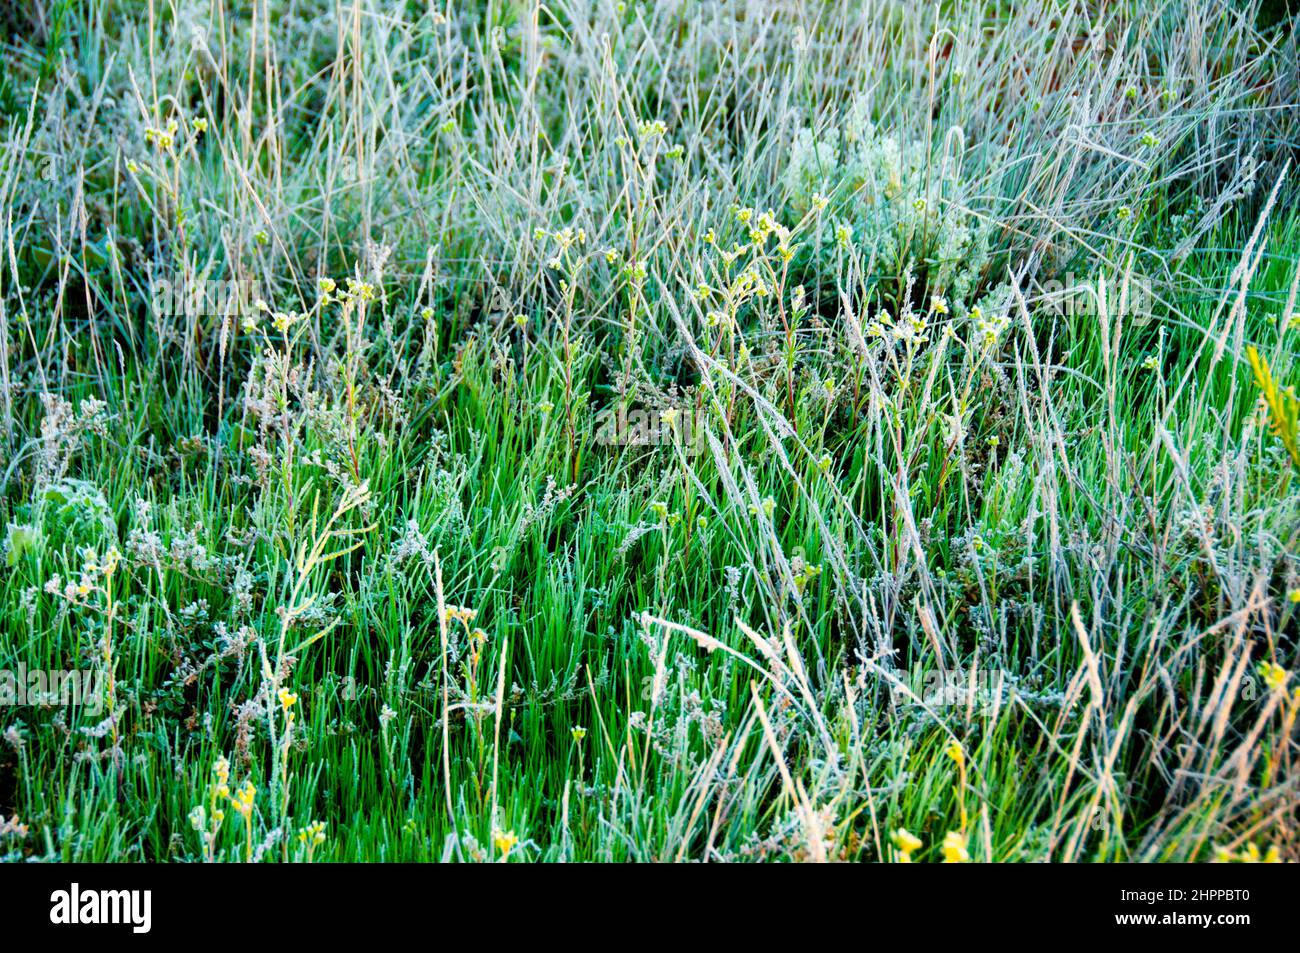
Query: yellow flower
{"points": [[652, 128], [1274, 675], [954, 848], [460, 614], [578, 732], [287, 698], [954, 751], [504, 841], [313, 834], [243, 799], [905, 841]]}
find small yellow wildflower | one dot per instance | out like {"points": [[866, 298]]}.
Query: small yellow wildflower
{"points": [[1274, 675], [907, 843], [462, 614], [504, 841], [954, 751], [313, 834], [243, 799], [954, 848]]}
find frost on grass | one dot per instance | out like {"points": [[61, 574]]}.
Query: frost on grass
{"points": [[714, 431]]}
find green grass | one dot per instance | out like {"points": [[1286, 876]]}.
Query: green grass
{"points": [[1015, 575]]}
